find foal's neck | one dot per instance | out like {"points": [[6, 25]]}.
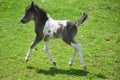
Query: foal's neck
{"points": [[40, 18]]}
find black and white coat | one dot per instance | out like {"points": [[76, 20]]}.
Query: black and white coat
{"points": [[47, 28]]}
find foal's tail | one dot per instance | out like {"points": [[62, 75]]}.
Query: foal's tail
{"points": [[81, 20]]}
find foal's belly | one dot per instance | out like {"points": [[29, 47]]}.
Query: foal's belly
{"points": [[54, 34]]}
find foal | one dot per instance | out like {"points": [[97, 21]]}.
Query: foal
{"points": [[47, 28]]}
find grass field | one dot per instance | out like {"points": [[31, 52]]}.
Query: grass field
{"points": [[99, 36]]}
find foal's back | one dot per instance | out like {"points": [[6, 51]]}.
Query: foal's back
{"points": [[53, 28]]}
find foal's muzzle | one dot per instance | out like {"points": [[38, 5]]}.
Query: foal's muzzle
{"points": [[22, 21]]}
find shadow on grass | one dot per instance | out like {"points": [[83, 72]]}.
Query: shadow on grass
{"points": [[53, 71], [101, 76], [98, 75]]}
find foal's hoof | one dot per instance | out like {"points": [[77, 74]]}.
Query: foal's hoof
{"points": [[26, 61], [85, 67], [70, 65], [54, 63]]}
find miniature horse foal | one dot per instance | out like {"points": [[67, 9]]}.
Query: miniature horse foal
{"points": [[47, 28]]}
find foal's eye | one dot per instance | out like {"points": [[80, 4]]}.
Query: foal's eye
{"points": [[29, 12]]}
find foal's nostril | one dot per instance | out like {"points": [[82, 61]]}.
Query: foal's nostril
{"points": [[22, 21]]}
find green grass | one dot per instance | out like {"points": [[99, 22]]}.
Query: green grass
{"points": [[99, 36]]}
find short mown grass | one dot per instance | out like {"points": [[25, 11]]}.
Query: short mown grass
{"points": [[99, 36]]}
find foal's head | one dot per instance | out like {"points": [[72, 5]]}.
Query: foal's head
{"points": [[32, 12], [28, 13]]}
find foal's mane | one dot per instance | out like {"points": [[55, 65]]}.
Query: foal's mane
{"points": [[39, 10], [42, 13]]}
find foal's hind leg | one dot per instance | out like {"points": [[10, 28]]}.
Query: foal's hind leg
{"points": [[34, 43], [73, 57], [46, 48], [79, 49]]}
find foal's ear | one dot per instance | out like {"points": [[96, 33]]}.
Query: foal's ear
{"points": [[32, 4]]}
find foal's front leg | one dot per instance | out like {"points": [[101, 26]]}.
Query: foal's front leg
{"points": [[34, 43], [46, 48]]}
